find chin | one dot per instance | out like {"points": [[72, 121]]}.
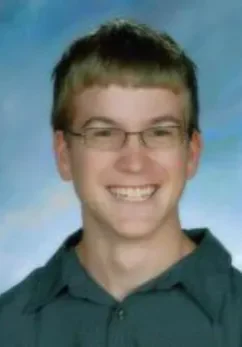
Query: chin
{"points": [[135, 230]]}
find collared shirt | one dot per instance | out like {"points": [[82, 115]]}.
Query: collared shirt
{"points": [[196, 302]]}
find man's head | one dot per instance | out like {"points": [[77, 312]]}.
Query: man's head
{"points": [[126, 77]]}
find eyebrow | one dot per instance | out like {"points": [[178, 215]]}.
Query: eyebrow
{"points": [[99, 119], [167, 118]]}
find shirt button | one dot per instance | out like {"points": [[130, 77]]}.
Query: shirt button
{"points": [[120, 314]]}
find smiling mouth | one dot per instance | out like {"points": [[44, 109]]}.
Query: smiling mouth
{"points": [[133, 194]]}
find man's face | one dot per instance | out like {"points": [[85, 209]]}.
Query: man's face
{"points": [[134, 190]]}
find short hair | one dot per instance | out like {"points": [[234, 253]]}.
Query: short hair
{"points": [[126, 53]]}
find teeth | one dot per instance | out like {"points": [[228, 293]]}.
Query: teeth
{"points": [[132, 194]]}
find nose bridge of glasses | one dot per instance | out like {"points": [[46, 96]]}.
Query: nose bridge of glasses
{"points": [[134, 139]]}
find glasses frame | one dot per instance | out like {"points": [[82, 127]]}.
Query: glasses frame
{"points": [[141, 134]]}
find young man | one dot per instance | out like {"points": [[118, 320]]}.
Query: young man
{"points": [[126, 133]]}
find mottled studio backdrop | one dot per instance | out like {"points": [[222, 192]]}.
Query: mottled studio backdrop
{"points": [[38, 210]]}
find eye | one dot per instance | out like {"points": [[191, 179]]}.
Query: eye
{"points": [[159, 132], [102, 132]]}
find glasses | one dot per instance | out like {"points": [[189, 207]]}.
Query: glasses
{"points": [[113, 139]]}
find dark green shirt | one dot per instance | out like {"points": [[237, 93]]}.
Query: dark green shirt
{"points": [[196, 303]]}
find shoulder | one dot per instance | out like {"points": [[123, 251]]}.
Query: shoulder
{"points": [[13, 301], [15, 326], [236, 282], [233, 301]]}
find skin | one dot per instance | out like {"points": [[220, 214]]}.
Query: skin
{"points": [[126, 244]]}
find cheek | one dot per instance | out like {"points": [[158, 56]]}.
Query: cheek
{"points": [[174, 163], [176, 176], [90, 169], [179, 165]]}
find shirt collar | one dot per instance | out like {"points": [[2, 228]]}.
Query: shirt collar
{"points": [[204, 274], [49, 281], [208, 274]]}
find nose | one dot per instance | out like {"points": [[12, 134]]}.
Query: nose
{"points": [[133, 157]]}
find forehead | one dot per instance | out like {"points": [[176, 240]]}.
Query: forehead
{"points": [[128, 105]]}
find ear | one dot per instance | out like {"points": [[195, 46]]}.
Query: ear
{"points": [[195, 147], [62, 155]]}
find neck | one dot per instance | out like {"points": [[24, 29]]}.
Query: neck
{"points": [[120, 267]]}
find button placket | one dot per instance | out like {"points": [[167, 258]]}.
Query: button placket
{"points": [[118, 334], [120, 313]]}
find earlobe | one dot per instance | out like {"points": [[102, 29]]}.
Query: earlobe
{"points": [[62, 156]]}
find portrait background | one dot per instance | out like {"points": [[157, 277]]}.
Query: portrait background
{"points": [[37, 210]]}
